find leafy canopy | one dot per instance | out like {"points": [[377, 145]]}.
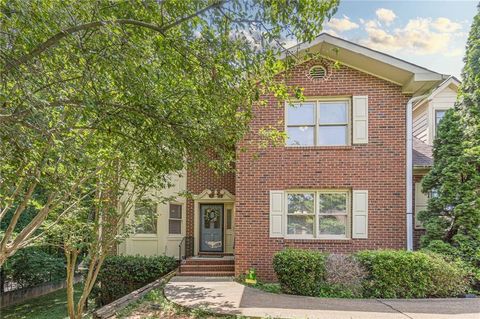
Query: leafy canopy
{"points": [[129, 90], [452, 220]]}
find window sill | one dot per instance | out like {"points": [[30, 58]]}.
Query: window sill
{"points": [[144, 236], [310, 239], [175, 236], [312, 147]]}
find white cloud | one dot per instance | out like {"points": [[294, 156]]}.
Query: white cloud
{"points": [[455, 52], [331, 32], [385, 15], [419, 36], [343, 24], [446, 25]]}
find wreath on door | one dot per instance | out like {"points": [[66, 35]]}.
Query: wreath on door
{"points": [[211, 215]]}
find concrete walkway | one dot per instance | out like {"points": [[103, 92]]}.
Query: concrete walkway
{"points": [[225, 296]]}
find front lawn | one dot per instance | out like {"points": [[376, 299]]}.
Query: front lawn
{"points": [[50, 306]]}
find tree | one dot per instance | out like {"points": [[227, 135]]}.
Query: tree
{"points": [[452, 220], [101, 96], [161, 81]]}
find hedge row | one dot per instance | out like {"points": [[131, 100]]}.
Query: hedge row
{"points": [[370, 274], [121, 275]]}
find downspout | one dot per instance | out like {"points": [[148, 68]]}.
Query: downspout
{"points": [[409, 167]]}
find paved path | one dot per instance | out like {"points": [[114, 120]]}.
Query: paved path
{"points": [[225, 296]]}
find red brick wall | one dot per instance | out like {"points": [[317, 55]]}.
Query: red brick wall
{"points": [[378, 166], [203, 178], [417, 233]]}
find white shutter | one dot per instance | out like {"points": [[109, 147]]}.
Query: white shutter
{"points": [[277, 213], [360, 214], [360, 119], [421, 202]]}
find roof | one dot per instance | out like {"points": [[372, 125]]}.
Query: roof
{"points": [[422, 154], [412, 78], [452, 82]]}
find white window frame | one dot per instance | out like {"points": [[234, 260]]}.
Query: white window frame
{"points": [[317, 125], [180, 219], [150, 235], [312, 236], [435, 125], [316, 229]]}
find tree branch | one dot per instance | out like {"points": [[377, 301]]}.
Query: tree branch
{"points": [[52, 41]]}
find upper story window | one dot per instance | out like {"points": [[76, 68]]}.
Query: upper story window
{"points": [[318, 123], [145, 218], [439, 114]]}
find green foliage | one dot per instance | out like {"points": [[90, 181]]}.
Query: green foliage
{"points": [[453, 215], [32, 266], [404, 274], [300, 272], [121, 275], [49, 306]]}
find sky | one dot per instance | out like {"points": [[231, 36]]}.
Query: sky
{"points": [[431, 34]]}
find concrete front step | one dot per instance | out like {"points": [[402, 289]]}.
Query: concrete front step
{"points": [[207, 273], [207, 268]]}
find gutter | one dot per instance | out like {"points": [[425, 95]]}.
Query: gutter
{"points": [[409, 168]]}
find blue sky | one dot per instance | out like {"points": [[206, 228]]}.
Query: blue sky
{"points": [[431, 34]]}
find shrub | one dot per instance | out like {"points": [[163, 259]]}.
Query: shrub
{"points": [[344, 277], [300, 272], [403, 274], [33, 266], [121, 275]]}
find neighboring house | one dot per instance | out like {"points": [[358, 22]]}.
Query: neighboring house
{"points": [[340, 184], [427, 114]]}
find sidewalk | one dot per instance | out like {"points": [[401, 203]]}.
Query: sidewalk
{"points": [[225, 296]]}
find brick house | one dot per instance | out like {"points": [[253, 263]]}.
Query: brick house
{"points": [[344, 181]]}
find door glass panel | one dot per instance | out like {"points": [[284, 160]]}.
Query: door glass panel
{"points": [[211, 230], [229, 218]]}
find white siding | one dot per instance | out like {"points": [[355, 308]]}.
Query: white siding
{"points": [[161, 243]]}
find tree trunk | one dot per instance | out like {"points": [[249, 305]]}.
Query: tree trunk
{"points": [[71, 264]]}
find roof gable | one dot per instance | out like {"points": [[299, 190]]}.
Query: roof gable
{"points": [[412, 78]]}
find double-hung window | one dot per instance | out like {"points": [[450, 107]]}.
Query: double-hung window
{"points": [[145, 215], [318, 123], [439, 114], [318, 214], [175, 219]]}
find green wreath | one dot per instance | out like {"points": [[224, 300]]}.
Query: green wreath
{"points": [[211, 215]]}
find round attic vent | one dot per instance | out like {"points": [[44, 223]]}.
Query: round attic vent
{"points": [[317, 72]]}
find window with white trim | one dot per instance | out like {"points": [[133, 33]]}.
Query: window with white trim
{"points": [[145, 215], [318, 123], [439, 114], [175, 219], [318, 214]]}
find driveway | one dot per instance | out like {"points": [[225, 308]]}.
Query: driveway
{"points": [[225, 296]]}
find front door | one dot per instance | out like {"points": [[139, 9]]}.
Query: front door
{"points": [[211, 227]]}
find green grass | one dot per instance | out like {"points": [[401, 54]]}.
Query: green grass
{"points": [[50, 306], [271, 287]]}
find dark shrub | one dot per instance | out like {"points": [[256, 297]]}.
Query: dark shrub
{"points": [[344, 277], [406, 274], [121, 275], [33, 266], [300, 272]]}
